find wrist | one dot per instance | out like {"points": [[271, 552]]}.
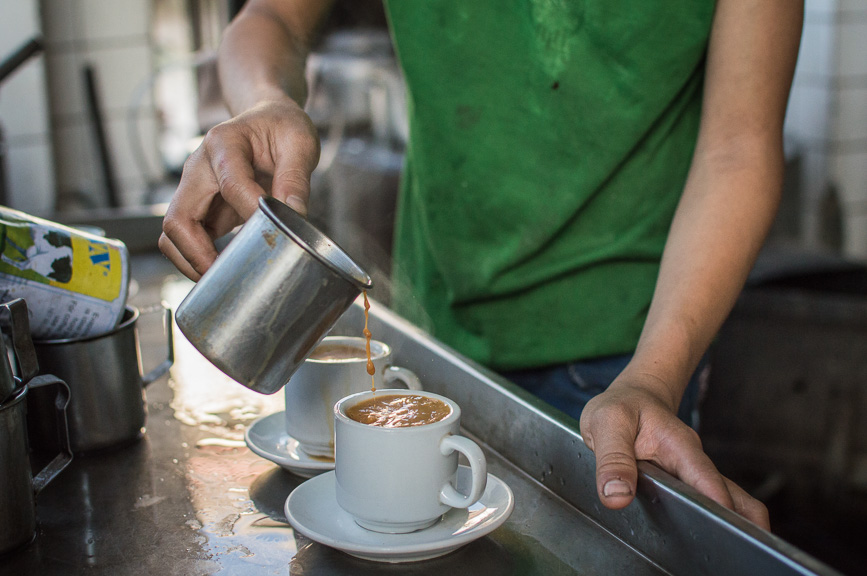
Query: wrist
{"points": [[652, 380], [262, 95]]}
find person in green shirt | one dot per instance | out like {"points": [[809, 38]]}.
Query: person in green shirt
{"points": [[587, 186]]}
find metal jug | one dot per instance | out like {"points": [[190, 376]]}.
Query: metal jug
{"points": [[18, 485], [270, 297], [104, 373]]}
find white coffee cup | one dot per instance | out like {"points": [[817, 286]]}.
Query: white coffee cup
{"points": [[320, 382], [398, 480]]}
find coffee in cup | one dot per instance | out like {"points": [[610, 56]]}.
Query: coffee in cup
{"points": [[335, 369], [399, 410], [401, 478]]}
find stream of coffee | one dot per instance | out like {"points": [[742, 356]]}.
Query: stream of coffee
{"points": [[370, 367]]}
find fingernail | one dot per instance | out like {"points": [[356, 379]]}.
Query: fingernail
{"points": [[296, 204], [616, 488]]}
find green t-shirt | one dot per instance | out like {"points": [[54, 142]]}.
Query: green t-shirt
{"points": [[549, 145]]}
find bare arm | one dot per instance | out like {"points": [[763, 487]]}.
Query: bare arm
{"points": [[263, 52], [733, 189], [728, 204], [268, 147]]}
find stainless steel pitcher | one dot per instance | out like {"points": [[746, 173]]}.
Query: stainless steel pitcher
{"points": [[269, 298], [18, 485], [107, 408]]}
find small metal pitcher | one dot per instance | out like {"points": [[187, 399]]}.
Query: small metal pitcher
{"points": [[269, 298], [104, 373], [18, 485]]}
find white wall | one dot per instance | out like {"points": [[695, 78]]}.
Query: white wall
{"points": [[827, 122], [848, 143], [24, 118], [112, 36]]}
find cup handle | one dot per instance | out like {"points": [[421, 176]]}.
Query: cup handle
{"points": [[449, 494], [13, 314], [157, 372], [404, 375], [64, 457]]}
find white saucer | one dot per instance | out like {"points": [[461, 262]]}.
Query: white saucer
{"points": [[267, 437], [312, 510]]}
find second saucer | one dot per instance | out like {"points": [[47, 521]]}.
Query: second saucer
{"points": [[267, 437]]}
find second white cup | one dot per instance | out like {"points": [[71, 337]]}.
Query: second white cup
{"points": [[336, 368]]}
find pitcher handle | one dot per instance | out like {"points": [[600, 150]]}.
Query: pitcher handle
{"points": [[13, 314], [64, 457], [157, 372]]}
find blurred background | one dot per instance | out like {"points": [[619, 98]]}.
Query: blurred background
{"points": [[101, 102]]}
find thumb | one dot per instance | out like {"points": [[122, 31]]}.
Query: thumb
{"points": [[291, 182], [616, 469]]}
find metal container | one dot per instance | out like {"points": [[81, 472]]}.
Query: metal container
{"points": [[18, 485], [104, 374], [269, 298]]}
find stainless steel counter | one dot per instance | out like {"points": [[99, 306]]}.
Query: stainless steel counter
{"points": [[191, 499]]}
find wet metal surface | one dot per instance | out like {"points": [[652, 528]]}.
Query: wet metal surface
{"points": [[191, 499]]}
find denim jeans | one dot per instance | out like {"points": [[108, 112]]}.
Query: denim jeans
{"points": [[568, 387]]}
